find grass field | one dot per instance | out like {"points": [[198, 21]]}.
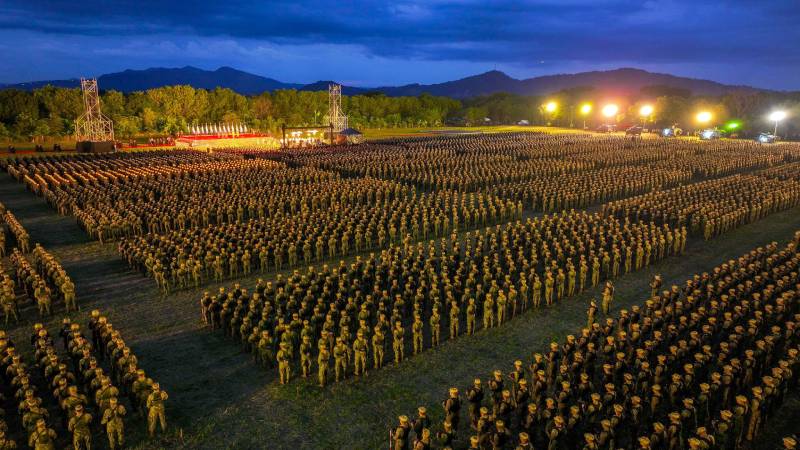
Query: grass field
{"points": [[219, 399]]}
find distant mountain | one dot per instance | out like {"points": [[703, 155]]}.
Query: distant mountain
{"points": [[323, 86], [139, 80], [614, 82], [619, 81]]}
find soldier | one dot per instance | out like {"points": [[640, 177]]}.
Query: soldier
{"points": [[739, 420], [608, 297], [417, 329], [496, 388], [556, 434], [471, 315], [424, 441], [68, 290], [340, 359], [422, 422], [323, 362], [398, 346], [446, 436], [655, 285], [155, 410], [502, 435], [524, 442], [305, 356], [42, 437], [284, 359], [401, 434], [454, 312], [452, 407], [9, 307], [590, 313], [115, 426], [755, 413], [378, 345], [475, 399], [591, 442], [360, 346], [79, 425], [537, 291]]}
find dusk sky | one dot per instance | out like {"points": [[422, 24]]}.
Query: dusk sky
{"points": [[372, 43]]}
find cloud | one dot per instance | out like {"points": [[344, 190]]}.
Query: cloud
{"points": [[465, 33]]}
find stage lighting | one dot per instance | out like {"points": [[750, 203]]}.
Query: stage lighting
{"points": [[776, 117], [704, 117]]}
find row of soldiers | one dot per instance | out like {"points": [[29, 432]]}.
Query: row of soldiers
{"points": [[713, 207], [21, 236], [190, 257], [224, 193], [145, 395], [585, 188], [43, 281], [703, 366], [85, 394], [422, 292], [479, 163]]}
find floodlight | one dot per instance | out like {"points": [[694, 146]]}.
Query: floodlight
{"points": [[777, 116], [646, 110], [704, 117], [586, 108], [551, 107], [610, 110]]}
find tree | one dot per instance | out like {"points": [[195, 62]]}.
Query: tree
{"points": [[127, 126], [4, 133], [474, 115]]}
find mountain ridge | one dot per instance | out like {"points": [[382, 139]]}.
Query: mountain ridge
{"points": [[621, 81]]}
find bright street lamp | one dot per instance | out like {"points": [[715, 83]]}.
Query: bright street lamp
{"points": [[550, 108], [776, 117], [586, 108], [610, 110], [645, 111]]}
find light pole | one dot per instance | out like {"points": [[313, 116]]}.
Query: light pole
{"points": [[645, 111], [550, 108], [776, 117], [609, 111], [586, 108]]}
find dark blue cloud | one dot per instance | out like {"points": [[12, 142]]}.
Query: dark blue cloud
{"points": [[525, 37]]}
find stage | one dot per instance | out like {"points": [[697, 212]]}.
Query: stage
{"points": [[225, 140]]}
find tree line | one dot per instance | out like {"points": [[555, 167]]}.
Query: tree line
{"points": [[51, 111]]}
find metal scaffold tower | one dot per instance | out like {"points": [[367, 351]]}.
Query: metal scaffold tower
{"points": [[338, 119], [92, 125]]}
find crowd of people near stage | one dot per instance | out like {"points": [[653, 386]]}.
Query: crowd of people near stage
{"points": [[703, 365], [480, 162]]}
